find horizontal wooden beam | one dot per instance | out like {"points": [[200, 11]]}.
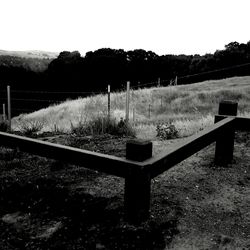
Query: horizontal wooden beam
{"points": [[119, 166], [182, 150], [101, 162], [242, 123]]}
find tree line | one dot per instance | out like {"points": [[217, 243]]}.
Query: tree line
{"points": [[115, 67]]}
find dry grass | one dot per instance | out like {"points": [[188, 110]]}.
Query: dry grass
{"points": [[189, 107]]}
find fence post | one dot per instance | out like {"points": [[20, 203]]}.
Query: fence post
{"points": [[102, 125], [108, 102], [225, 143], [127, 101], [9, 107], [137, 183], [4, 114], [159, 82]]}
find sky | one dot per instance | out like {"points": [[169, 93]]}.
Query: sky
{"points": [[162, 26]]}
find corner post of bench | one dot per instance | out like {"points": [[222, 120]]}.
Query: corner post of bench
{"points": [[137, 183], [225, 143]]}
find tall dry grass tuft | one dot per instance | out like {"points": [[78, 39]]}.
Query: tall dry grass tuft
{"points": [[102, 125]]}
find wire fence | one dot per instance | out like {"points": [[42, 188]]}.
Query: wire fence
{"points": [[23, 102], [27, 101]]}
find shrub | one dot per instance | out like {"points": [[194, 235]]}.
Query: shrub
{"points": [[30, 127], [166, 131], [102, 125], [124, 128], [3, 126]]}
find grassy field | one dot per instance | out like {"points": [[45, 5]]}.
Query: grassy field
{"points": [[189, 107]]}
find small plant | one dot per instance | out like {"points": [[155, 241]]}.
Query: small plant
{"points": [[102, 125], [30, 127], [166, 131], [57, 130], [78, 129], [124, 128], [3, 126]]}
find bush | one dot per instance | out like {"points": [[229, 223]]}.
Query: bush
{"points": [[102, 125], [3, 126], [31, 127], [166, 131]]}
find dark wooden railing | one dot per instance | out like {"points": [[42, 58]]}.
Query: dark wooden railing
{"points": [[140, 167]]}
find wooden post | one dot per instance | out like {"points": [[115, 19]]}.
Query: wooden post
{"points": [[102, 125], [159, 82], [55, 128], [127, 101], [137, 183], [161, 102], [228, 108], [139, 150], [225, 144], [9, 107], [4, 113], [133, 114], [108, 102]]}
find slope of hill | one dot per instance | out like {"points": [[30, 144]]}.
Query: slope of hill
{"points": [[189, 107]]}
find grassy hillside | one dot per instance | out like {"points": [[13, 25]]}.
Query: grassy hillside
{"points": [[189, 107]]}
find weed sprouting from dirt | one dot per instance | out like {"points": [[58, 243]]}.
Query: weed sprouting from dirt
{"points": [[3, 126], [30, 127], [166, 131]]}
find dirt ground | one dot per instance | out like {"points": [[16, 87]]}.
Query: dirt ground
{"points": [[47, 204]]}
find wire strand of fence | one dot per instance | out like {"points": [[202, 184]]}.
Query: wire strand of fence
{"points": [[132, 87], [18, 109], [32, 100], [216, 70], [57, 92], [186, 76], [35, 100]]}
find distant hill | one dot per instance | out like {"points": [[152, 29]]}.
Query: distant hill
{"points": [[30, 54], [33, 60]]}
